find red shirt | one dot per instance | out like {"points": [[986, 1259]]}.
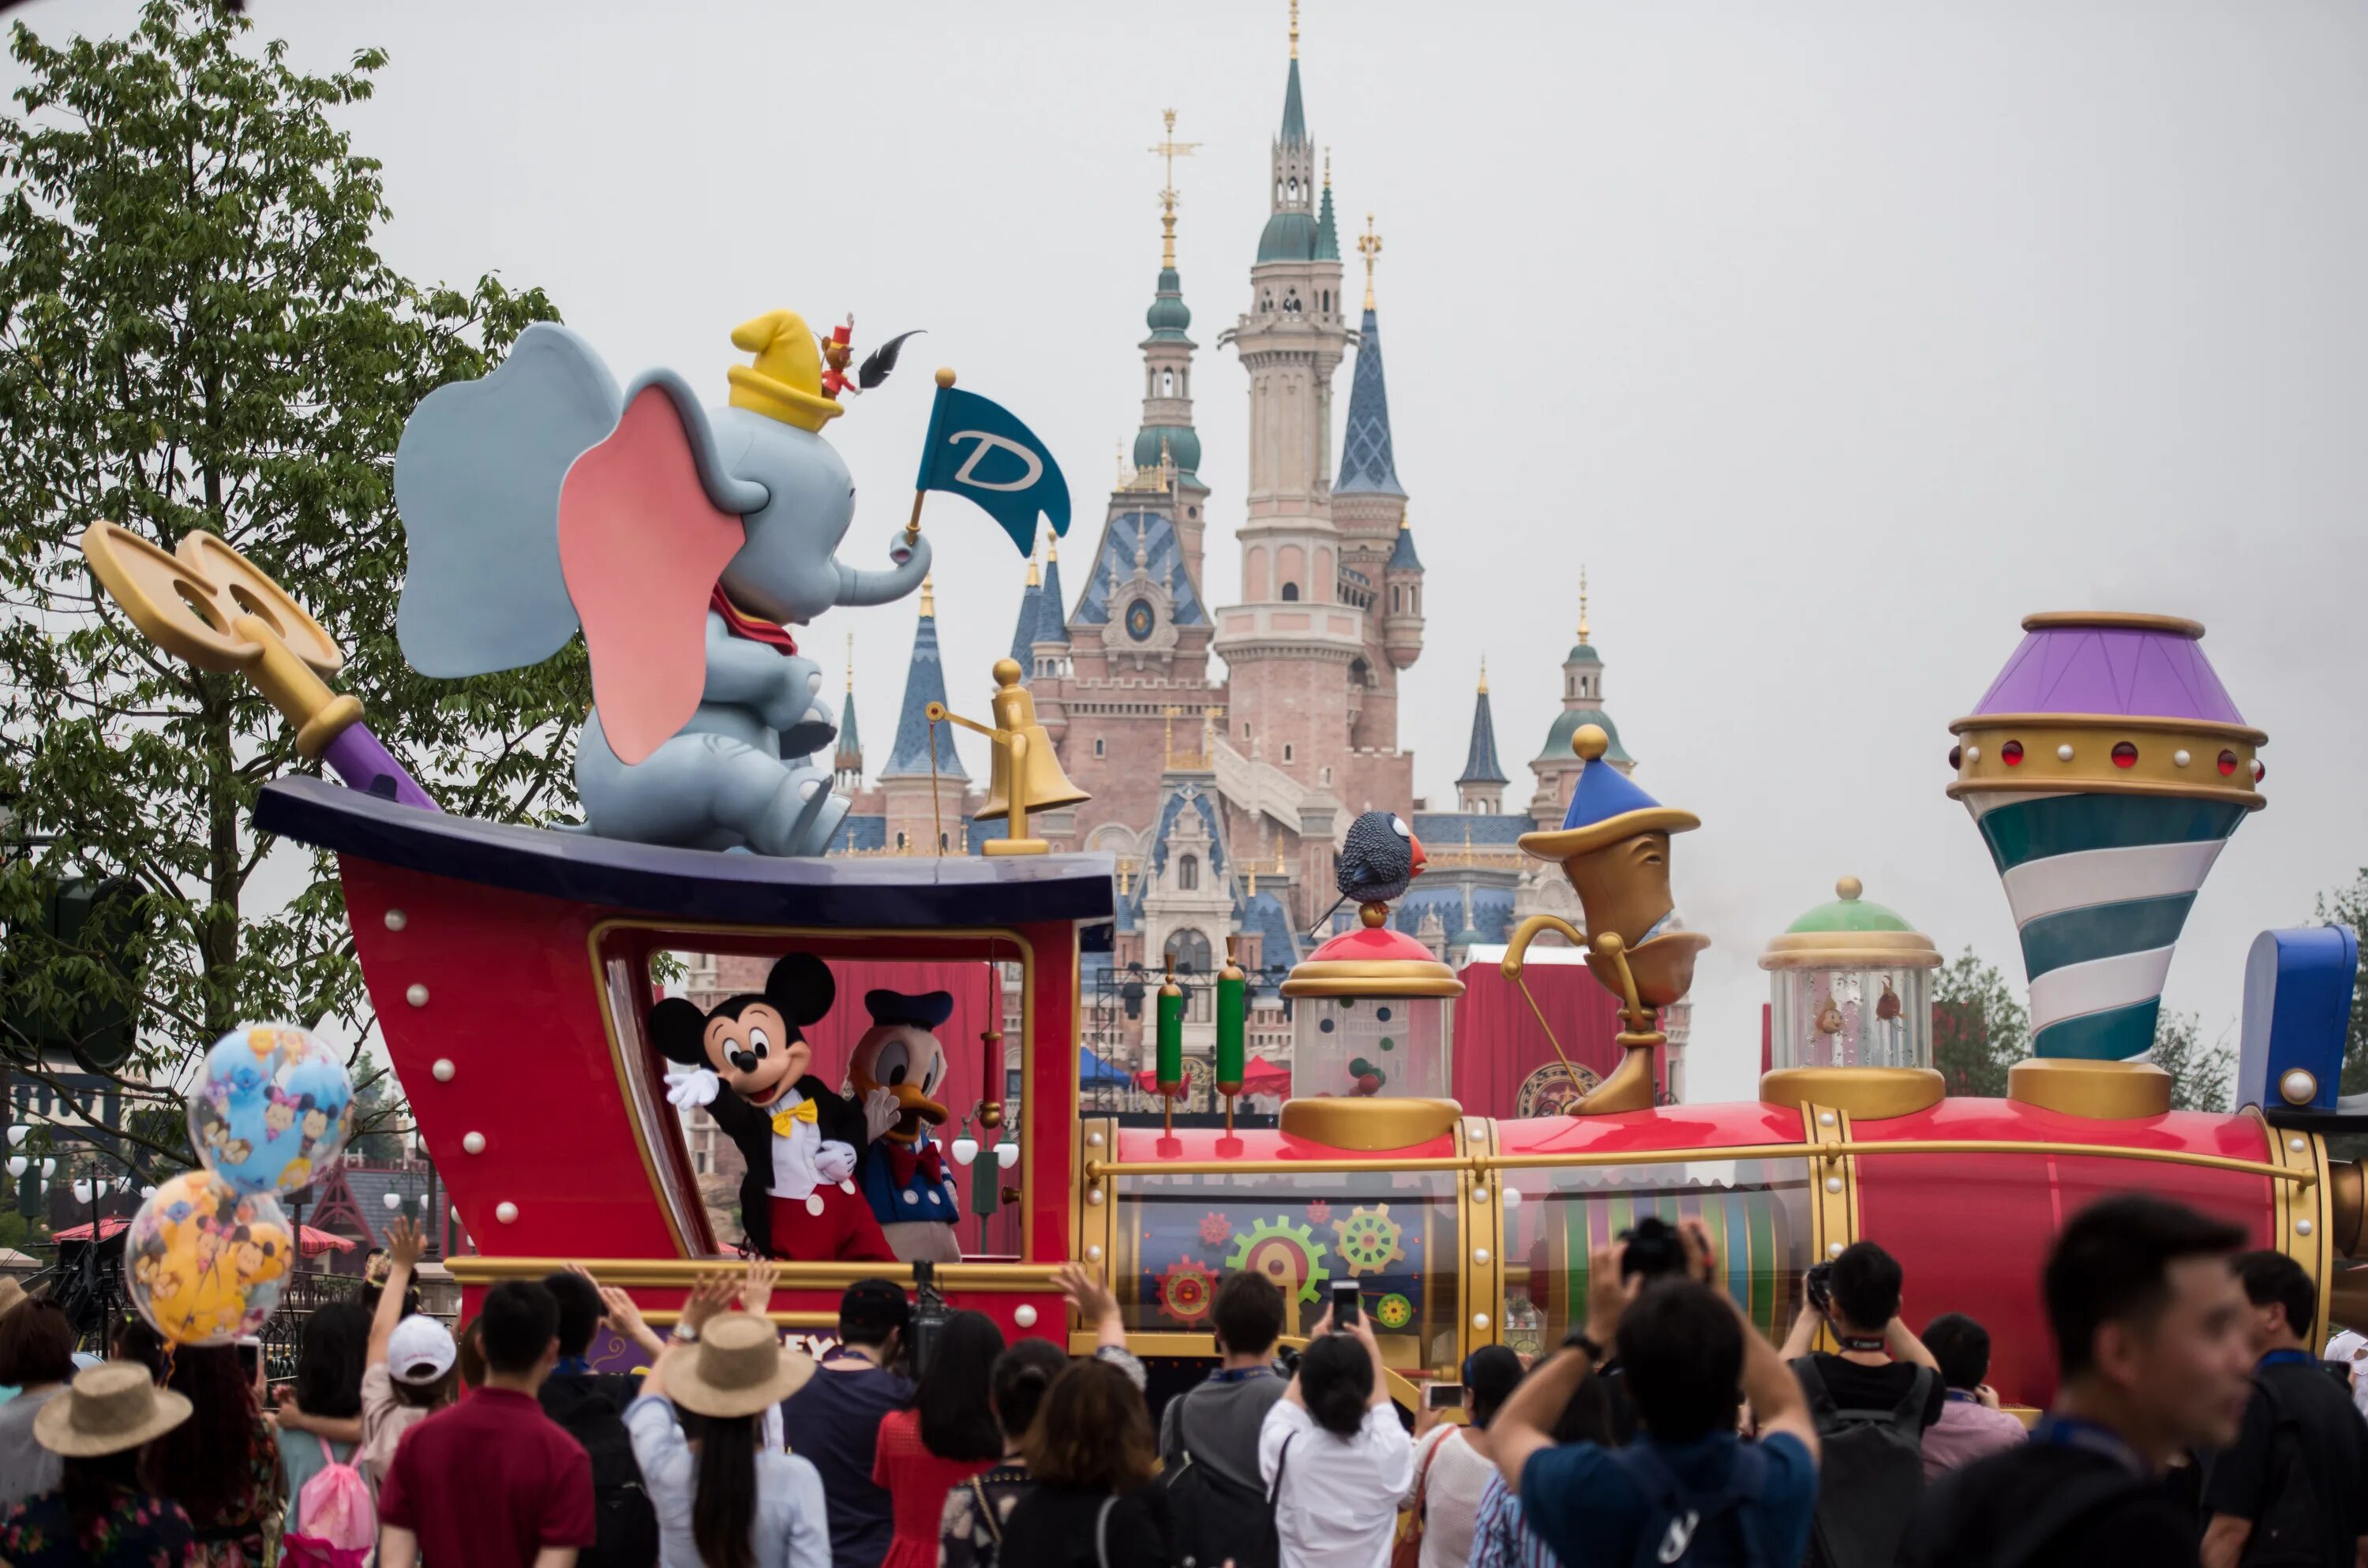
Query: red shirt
{"points": [[917, 1482], [489, 1482]]}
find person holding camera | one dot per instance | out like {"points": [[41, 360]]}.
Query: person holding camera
{"points": [[1688, 1490], [835, 1419], [1333, 1458], [1973, 1427], [1209, 1434], [1452, 1465], [1873, 1401]]}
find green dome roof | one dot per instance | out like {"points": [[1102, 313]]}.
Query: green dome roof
{"points": [[1288, 236], [1566, 724], [1582, 653], [1848, 912], [1169, 315], [1183, 445]]}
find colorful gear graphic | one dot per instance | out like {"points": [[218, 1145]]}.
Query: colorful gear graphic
{"points": [[1187, 1291], [1320, 1212], [1369, 1240], [1286, 1254], [1394, 1310], [1216, 1229]]}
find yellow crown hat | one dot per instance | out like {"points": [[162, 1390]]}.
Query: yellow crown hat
{"points": [[785, 383]]}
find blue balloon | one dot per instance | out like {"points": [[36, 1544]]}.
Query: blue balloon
{"points": [[271, 1107]]}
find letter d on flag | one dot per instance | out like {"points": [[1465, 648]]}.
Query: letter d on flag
{"points": [[977, 448]]}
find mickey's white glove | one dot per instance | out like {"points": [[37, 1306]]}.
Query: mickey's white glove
{"points": [[835, 1161], [881, 1109], [693, 1087]]}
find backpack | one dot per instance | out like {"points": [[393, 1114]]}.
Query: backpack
{"points": [[1216, 1517], [625, 1524], [1685, 1527], [335, 1523], [2291, 1530], [1870, 1475]]}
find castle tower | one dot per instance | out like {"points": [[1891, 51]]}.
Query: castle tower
{"points": [[1023, 635], [847, 762], [915, 818], [1378, 563], [1556, 765], [1295, 647], [1167, 434], [1048, 648], [1481, 787]]}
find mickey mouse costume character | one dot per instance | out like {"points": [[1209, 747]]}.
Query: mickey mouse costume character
{"points": [[802, 1143], [905, 1178]]}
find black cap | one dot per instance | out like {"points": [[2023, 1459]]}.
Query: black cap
{"points": [[874, 1304], [926, 1010]]}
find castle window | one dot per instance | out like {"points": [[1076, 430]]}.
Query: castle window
{"points": [[899, 841], [1286, 751], [1294, 188], [1327, 300], [1290, 592], [1327, 775], [1246, 729], [1187, 874], [1098, 745], [1167, 383]]}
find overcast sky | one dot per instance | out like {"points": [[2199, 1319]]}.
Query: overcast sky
{"points": [[1831, 338]]}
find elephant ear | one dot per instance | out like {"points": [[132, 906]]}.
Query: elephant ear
{"points": [[642, 538], [477, 477]]}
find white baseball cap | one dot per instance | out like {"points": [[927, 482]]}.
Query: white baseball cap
{"points": [[420, 1350]]}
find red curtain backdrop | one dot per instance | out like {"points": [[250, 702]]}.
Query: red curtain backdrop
{"points": [[1498, 1043]]}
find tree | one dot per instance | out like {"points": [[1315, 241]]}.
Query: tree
{"points": [[378, 1133], [1979, 1029], [196, 333], [2349, 906], [2201, 1075]]}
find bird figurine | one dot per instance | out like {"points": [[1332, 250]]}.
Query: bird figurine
{"points": [[1379, 856], [1886, 1006]]}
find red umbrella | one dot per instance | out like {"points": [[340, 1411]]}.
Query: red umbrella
{"points": [[1263, 1077], [314, 1243]]}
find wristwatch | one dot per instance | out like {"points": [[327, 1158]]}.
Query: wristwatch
{"points": [[1579, 1339], [685, 1334]]}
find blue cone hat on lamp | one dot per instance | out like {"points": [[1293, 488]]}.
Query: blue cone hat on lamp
{"points": [[2106, 768]]}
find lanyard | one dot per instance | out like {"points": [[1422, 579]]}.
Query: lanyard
{"points": [[1240, 1374], [1959, 1396], [2285, 1359], [2071, 1432]]}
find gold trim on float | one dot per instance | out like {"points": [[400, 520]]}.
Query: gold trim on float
{"points": [[1372, 977], [1835, 950], [625, 1088], [1871, 1094], [2084, 723], [1581, 1158], [2113, 620], [806, 1321], [1370, 1125], [672, 1273], [2080, 1085], [2311, 1204]]}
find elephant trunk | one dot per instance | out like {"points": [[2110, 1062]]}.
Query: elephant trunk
{"points": [[856, 587]]}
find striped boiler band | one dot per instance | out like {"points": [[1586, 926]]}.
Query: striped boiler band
{"points": [[2100, 884]]}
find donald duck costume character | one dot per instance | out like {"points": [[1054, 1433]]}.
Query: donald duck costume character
{"points": [[906, 1176]]}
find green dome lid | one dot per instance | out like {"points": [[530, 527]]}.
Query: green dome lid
{"points": [[1850, 933], [1566, 724], [1183, 446], [1288, 236], [1168, 313]]}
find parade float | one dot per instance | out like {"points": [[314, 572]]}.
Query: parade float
{"points": [[514, 969]]}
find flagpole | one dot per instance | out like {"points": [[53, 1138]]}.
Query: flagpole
{"points": [[928, 445]]}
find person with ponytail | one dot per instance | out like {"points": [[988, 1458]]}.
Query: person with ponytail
{"points": [[1452, 1465], [971, 1534], [725, 1498], [1333, 1456], [948, 1436]]}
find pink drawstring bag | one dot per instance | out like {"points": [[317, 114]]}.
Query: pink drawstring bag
{"points": [[335, 1523]]}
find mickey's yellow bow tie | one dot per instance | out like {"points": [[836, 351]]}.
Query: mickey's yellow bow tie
{"points": [[785, 1120]]}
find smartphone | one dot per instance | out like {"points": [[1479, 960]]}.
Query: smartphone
{"points": [[1344, 1303], [250, 1357], [1443, 1396]]}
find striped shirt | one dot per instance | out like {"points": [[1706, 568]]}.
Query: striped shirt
{"points": [[1501, 1538]]}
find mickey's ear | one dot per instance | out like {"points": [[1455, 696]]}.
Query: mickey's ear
{"points": [[802, 987], [679, 1031]]}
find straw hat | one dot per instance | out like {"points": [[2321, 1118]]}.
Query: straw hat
{"points": [[12, 1294], [737, 1369], [113, 1406]]}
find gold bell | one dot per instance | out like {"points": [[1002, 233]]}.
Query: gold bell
{"points": [[1026, 775]]}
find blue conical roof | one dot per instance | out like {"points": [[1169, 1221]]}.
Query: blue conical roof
{"points": [[1023, 634], [1603, 793], [1294, 113], [1051, 615], [1402, 555], [1368, 462], [1480, 764], [925, 682]]}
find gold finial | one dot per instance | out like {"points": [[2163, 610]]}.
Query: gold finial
{"points": [[1294, 28], [1406, 520], [929, 596], [1369, 245], [1278, 857], [1125, 468], [1170, 149], [850, 663], [1052, 547], [1327, 165], [1483, 675], [1582, 603], [1034, 580]]}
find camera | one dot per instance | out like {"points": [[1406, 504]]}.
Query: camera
{"points": [[931, 1315], [1820, 1283], [1651, 1248]]}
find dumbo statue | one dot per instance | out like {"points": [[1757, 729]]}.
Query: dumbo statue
{"points": [[684, 540]]}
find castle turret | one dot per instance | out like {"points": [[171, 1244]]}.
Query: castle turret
{"points": [[1048, 648], [1481, 787], [1582, 703], [919, 810], [847, 762], [1031, 608], [1167, 434]]}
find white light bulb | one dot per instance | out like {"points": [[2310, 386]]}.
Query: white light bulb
{"points": [[17, 1136], [149, 1191], [965, 1149], [49, 1167], [16, 1163], [1006, 1155], [1512, 1198], [393, 1201]]}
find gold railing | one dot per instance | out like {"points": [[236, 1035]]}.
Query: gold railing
{"points": [[681, 1273]]}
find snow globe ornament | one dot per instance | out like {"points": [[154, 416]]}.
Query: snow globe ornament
{"points": [[1851, 1009], [272, 1105]]}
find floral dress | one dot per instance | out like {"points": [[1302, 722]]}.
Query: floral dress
{"points": [[238, 1537], [138, 1530]]}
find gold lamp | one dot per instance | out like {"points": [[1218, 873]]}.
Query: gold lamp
{"points": [[1027, 774]]}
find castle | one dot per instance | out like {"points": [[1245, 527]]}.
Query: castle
{"points": [[1223, 799]]}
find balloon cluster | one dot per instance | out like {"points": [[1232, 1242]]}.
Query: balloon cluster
{"points": [[206, 1252]]}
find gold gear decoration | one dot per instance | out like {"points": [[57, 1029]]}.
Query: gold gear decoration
{"points": [[1187, 1291], [1287, 1253], [1369, 1240]]}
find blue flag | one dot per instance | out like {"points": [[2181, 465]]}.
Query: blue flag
{"points": [[976, 448]]}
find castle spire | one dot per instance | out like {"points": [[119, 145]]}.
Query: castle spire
{"points": [[1582, 607], [1328, 233], [925, 682], [1023, 634], [1294, 114], [1052, 614], [1168, 352], [847, 762], [1368, 460], [1482, 772]]}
